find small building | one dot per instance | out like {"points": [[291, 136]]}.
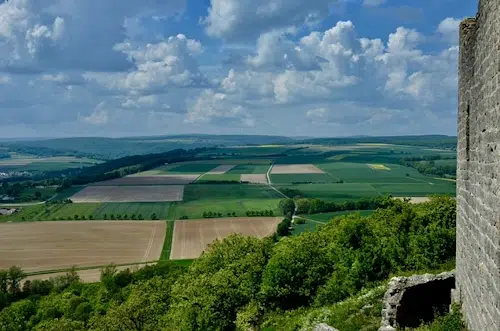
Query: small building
{"points": [[7, 211]]}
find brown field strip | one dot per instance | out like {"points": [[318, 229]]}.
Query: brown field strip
{"points": [[296, 169], [254, 178], [221, 170], [39, 246], [150, 180], [192, 237], [153, 193]]}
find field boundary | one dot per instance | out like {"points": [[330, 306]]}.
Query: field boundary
{"points": [[168, 242]]}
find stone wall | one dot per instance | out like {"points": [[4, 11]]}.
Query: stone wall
{"points": [[478, 177]]}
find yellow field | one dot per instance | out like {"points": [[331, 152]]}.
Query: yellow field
{"points": [[379, 167], [340, 157]]}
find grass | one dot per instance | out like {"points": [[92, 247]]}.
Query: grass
{"points": [[217, 178], [96, 210], [307, 226], [335, 192], [417, 189], [167, 244], [68, 193], [302, 178], [242, 169], [195, 168], [219, 192], [195, 209], [362, 173], [146, 209]]}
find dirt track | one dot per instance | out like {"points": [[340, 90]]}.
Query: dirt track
{"points": [[153, 193], [39, 246], [295, 169], [192, 237]]}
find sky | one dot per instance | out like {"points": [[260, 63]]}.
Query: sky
{"points": [[281, 67]]}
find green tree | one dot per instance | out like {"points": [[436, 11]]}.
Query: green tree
{"points": [[15, 276], [287, 206], [62, 324], [298, 266], [221, 282]]}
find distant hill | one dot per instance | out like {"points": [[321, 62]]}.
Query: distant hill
{"points": [[431, 141], [112, 148]]}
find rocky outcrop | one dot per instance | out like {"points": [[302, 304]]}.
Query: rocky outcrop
{"points": [[324, 327], [412, 300]]}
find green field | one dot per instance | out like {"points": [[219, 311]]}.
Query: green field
{"points": [[167, 244], [361, 173], [146, 209], [195, 209], [224, 198], [335, 192], [87, 211], [418, 189], [219, 192], [217, 178], [249, 169], [194, 168], [68, 193], [303, 178]]}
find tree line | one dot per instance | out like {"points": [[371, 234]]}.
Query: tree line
{"points": [[426, 165], [239, 282]]}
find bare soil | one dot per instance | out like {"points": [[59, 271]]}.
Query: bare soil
{"points": [[254, 178], [153, 193], [296, 169], [416, 199], [192, 237], [39, 246]]}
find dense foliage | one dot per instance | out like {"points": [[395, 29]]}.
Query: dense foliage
{"points": [[315, 206], [240, 280], [427, 165]]}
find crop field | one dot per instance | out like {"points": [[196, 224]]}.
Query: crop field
{"points": [[57, 245], [242, 169], [145, 209], [220, 192], [214, 178], [191, 238], [195, 209], [417, 189], [351, 172], [176, 179], [254, 178], [222, 169], [295, 169], [303, 178], [129, 194], [195, 167], [335, 192]]}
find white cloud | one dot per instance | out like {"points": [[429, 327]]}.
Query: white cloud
{"points": [[235, 19], [211, 105], [96, 118], [156, 66], [4, 79], [448, 28]]}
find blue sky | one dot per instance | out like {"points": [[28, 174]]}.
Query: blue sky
{"points": [[287, 67]]}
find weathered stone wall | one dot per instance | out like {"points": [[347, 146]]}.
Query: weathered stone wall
{"points": [[478, 178]]}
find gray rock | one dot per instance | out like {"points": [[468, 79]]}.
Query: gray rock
{"points": [[410, 299], [324, 327]]}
